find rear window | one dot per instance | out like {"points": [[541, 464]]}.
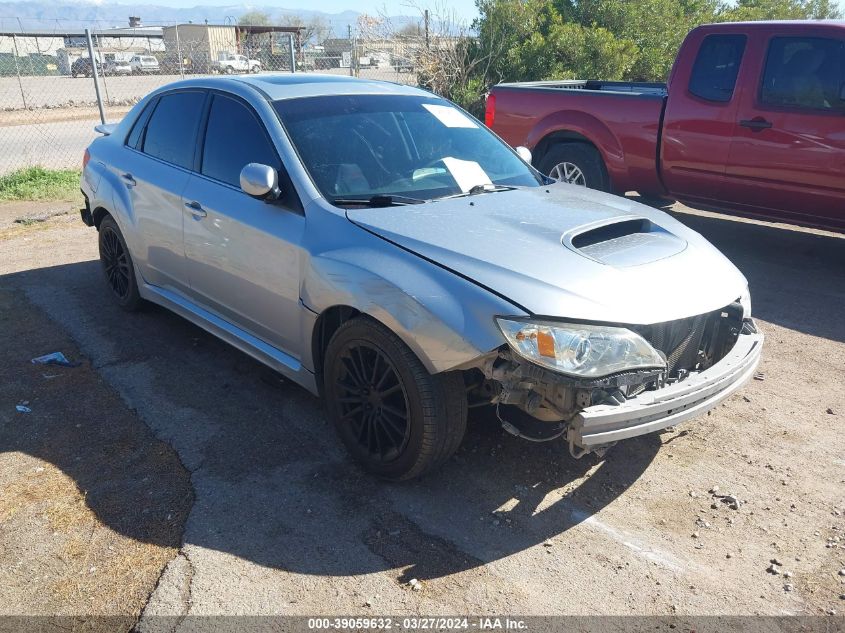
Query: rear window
{"points": [[805, 72], [715, 70], [171, 132]]}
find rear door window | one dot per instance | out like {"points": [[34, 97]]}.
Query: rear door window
{"points": [[805, 72], [172, 130], [234, 137], [716, 67]]}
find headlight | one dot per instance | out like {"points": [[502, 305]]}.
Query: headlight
{"points": [[589, 351], [745, 302]]}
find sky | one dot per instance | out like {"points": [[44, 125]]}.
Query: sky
{"points": [[463, 9]]}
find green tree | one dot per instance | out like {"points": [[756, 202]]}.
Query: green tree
{"points": [[634, 40], [255, 18], [779, 10], [657, 27]]}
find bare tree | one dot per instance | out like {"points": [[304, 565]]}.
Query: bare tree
{"points": [[450, 61], [315, 29]]}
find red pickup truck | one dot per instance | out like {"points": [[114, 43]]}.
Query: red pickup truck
{"points": [[752, 121]]}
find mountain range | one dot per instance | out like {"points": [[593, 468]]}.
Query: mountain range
{"points": [[70, 14]]}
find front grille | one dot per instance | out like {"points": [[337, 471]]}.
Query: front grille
{"points": [[694, 342], [679, 341]]}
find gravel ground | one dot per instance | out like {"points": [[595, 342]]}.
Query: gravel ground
{"points": [[283, 523]]}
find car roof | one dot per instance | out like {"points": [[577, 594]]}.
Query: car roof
{"points": [[278, 86]]}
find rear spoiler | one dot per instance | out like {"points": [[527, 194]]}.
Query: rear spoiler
{"points": [[105, 128]]}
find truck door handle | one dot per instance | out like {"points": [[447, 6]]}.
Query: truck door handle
{"points": [[196, 209], [128, 180], [756, 124]]}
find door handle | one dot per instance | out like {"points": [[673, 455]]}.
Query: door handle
{"points": [[756, 124], [128, 180], [196, 209]]}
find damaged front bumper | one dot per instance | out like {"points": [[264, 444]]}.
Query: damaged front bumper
{"points": [[600, 425]]}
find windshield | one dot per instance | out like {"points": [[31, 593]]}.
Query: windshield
{"points": [[360, 146]]}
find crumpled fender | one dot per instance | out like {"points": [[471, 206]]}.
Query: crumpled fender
{"points": [[446, 320]]}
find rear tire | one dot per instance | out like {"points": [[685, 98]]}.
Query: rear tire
{"points": [[396, 419], [117, 266], [576, 163]]}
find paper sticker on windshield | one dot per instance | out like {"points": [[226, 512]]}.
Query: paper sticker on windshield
{"points": [[449, 116], [467, 173]]}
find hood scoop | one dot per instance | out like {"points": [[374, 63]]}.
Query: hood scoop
{"points": [[624, 241]]}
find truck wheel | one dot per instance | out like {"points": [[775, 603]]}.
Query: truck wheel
{"points": [[577, 164], [397, 420], [229, 70], [117, 266]]}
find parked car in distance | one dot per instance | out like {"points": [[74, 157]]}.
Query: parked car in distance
{"points": [[377, 245], [144, 64], [229, 63], [82, 67], [117, 67], [750, 122], [402, 64]]}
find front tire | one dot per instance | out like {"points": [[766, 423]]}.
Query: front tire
{"points": [[396, 419], [117, 266], [577, 164]]}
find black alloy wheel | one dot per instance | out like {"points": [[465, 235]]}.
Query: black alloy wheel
{"points": [[396, 419], [117, 265], [373, 401]]}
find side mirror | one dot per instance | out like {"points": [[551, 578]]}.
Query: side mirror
{"points": [[524, 153], [260, 181]]}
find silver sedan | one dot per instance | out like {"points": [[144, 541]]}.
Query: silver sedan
{"points": [[377, 245]]}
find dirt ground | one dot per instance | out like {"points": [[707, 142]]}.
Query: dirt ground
{"points": [[254, 508]]}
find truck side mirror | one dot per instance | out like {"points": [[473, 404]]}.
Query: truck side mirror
{"points": [[260, 181], [524, 153]]}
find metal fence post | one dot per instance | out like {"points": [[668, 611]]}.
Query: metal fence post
{"points": [[94, 71], [18, 72], [179, 52], [292, 53], [351, 49]]}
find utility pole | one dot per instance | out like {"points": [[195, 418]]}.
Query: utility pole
{"points": [[426, 30]]}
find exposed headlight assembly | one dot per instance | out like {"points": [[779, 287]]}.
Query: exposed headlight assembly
{"points": [[745, 302], [586, 351]]}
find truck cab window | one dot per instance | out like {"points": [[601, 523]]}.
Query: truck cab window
{"points": [[716, 67], [804, 72]]}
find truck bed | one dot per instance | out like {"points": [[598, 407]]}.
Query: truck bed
{"points": [[627, 87]]}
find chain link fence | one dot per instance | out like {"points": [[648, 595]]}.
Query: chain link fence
{"points": [[48, 101]]}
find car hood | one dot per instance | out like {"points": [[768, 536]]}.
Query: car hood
{"points": [[567, 251]]}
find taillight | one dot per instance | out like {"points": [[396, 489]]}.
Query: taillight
{"points": [[490, 110], [85, 158]]}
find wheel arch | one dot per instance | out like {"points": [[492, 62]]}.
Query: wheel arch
{"points": [[98, 214], [579, 127], [444, 319], [326, 325]]}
